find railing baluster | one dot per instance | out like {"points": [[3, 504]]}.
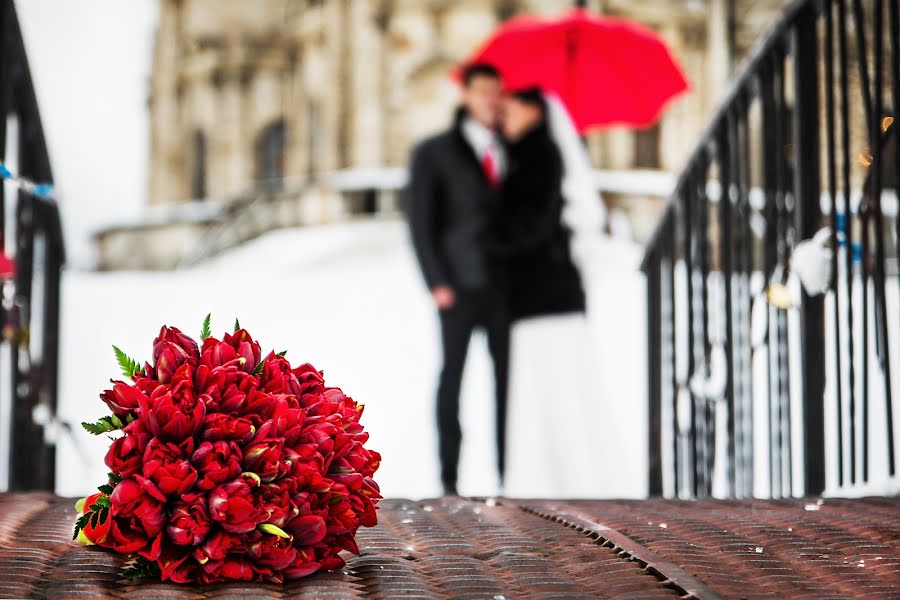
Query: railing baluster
{"points": [[654, 381], [894, 29], [864, 399], [746, 268], [832, 193], [865, 236], [673, 383], [34, 376], [708, 417], [5, 86], [723, 154], [785, 455], [735, 331], [875, 189], [859, 24], [806, 190], [689, 253], [846, 153], [768, 154]]}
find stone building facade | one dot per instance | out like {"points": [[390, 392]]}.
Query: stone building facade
{"points": [[336, 84], [275, 94]]}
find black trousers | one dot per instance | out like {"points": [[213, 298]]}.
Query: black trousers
{"points": [[487, 309]]}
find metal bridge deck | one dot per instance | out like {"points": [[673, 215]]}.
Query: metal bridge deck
{"points": [[503, 549]]}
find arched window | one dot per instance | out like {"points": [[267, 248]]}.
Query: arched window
{"points": [[270, 156], [198, 168]]}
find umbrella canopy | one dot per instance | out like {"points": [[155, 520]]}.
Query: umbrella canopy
{"points": [[607, 71]]}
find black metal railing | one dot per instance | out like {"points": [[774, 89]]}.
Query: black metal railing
{"points": [[757, 387], [30, 302]]}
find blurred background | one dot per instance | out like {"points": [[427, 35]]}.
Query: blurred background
{"points": [[245, 158]]}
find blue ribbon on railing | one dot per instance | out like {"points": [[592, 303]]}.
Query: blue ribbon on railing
{"points": [[40, 190], [856, 247]]}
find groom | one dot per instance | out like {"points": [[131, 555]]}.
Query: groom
{"points": [[454, 177]]}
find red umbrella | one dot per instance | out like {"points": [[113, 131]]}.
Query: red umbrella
{"points": [[607, 71]]}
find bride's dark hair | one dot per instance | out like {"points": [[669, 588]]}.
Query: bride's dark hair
{"points": [[533, 96]]}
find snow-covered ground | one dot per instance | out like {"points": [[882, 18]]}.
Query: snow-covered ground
{"points": [[349, 299]]}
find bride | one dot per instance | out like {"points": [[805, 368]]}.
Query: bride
{"points": [[541, 228]]}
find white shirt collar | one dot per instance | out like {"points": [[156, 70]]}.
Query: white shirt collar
{"points": [[481, 139]]}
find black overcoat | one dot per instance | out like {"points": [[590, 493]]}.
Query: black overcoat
{"points": [[526, 231]]}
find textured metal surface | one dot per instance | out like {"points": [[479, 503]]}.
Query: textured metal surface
{"points": [[471, 548]]}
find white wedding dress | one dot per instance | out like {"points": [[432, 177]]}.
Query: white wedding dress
{"points": [[563, 435]]}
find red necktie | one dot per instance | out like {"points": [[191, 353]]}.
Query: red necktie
{"points": [[490, 167]]}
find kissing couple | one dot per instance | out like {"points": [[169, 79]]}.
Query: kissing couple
{"points": [[487, 203]]}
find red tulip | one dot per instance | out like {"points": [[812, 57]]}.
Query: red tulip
{"points": [[277, 502], [264, 457], [235, 508], [234, 568], [218, 544], [126, 454], [123, 399], [272, 552], [219, 426], [166, 465], [140, 500], [173, 413], [171, 349], [307, 530], [245, 347], [124, 539], [138, 516], [216, 353], [189, 521], [277, 376], [216, 463], [302, 567], [310, 378], [174, 563]]}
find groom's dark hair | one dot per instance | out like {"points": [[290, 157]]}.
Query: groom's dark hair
{"points": [[473, 70]]}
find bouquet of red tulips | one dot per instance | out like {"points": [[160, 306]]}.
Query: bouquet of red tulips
{"points": [[229, 466]]}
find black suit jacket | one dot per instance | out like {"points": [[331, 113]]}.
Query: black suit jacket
{"points": [[447, 203]]}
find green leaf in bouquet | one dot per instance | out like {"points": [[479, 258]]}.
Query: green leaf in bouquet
{"points": [[140, 568], [81, 523], [237, 325], [96, 514], [103, 425], [97, 428], [282, 353], [258, 369], [128, 365], [205, 331], [105, 488]]}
